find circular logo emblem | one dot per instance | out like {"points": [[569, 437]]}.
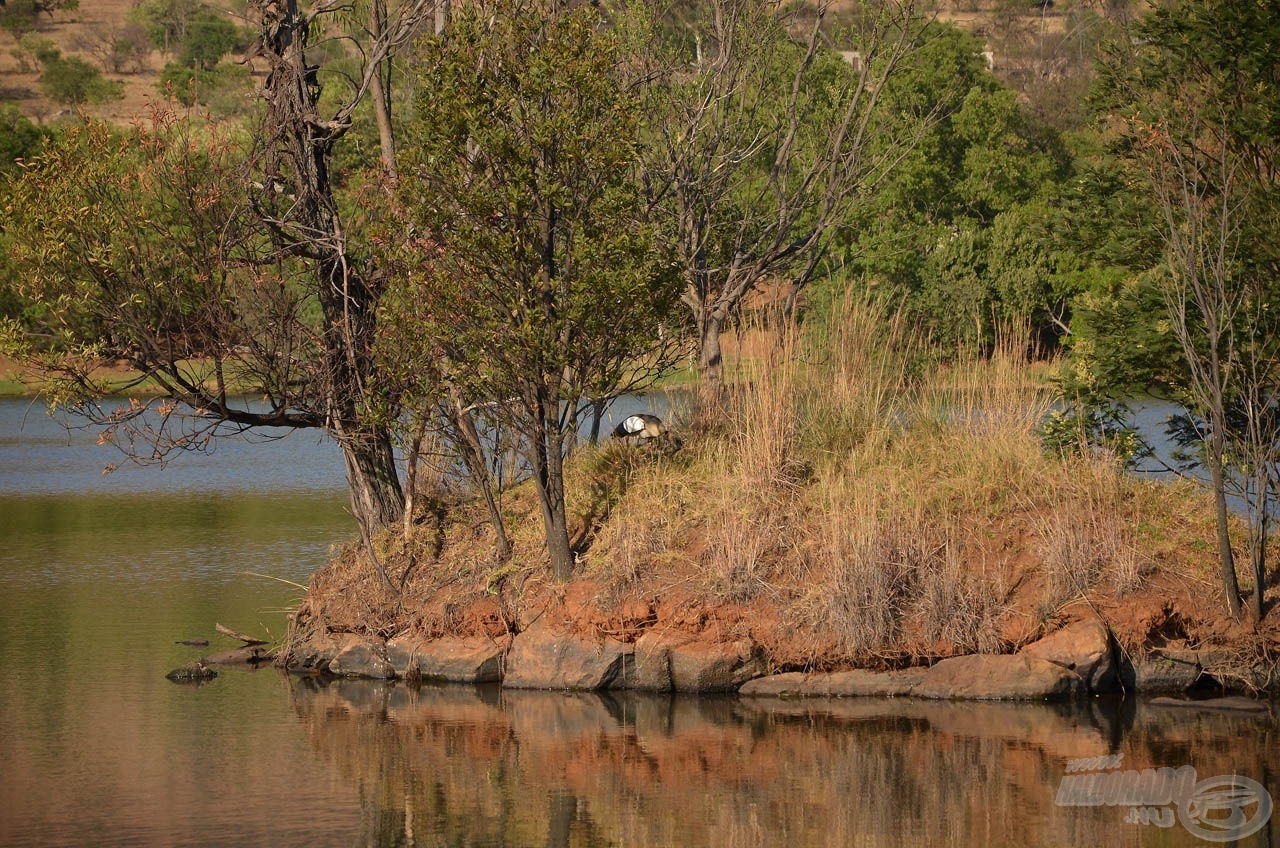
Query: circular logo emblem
{"points": [[1225, 808]]}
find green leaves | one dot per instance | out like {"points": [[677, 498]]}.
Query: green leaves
{"points": [[543, 276]]}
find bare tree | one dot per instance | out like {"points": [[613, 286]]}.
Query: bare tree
{"points": [[764, 140]]}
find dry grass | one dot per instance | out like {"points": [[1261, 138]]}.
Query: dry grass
{"points": [[886, 506], [858, 505]]}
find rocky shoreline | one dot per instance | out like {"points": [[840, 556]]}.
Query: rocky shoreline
{"points": [[1082, 658]]}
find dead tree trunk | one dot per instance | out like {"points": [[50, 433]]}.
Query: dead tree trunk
{"points": [[298, 207]]}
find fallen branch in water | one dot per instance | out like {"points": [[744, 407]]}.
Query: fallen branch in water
{"points": [[248, 640]]}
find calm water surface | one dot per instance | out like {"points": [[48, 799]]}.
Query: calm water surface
{"points": [[99, 576]]}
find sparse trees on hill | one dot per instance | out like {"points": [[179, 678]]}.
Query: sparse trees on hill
{"points": [[21, 16]]}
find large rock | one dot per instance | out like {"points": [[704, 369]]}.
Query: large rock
{"points": [[651, 669], [999, 678], [1157, 673], [474, 660], [840, 684], [541, 658], [314, 653], [362, 656], [679, 662], [1086, 648]]}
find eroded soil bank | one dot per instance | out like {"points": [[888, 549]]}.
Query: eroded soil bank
{"points": [[845, 513], [514, 625]]}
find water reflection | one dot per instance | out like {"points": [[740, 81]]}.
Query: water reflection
{"points": [[463, 766]]}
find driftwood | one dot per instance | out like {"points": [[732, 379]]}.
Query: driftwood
{"points": [[248, 640]]}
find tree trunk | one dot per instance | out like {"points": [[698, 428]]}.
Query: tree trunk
{"points": [[1261, 525], [548, 470], [597, 413], [1226, 559], [297, 147], [442, 16], [710, 367], [473, 457], [376, 498], [411, 474], [381, 91]]}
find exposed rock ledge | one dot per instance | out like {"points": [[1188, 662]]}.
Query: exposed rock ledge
{"points": [[538, 658], [1078, 659]]}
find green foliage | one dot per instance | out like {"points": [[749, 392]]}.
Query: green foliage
{"points": [[965, 224], [19, 138], [72, 81], [22, 16], [519, 165], [209, 36], [224, 90], [1199, 88], [1080, 427], [158, 288]]}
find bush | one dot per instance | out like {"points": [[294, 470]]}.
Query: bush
{"points": [[73, 81], [221, 90], [19, 137], [209, 37]]}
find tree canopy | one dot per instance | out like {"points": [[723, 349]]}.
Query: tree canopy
{"points": [[546, 284]]}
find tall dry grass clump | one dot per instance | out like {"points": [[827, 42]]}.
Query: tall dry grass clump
{"points": [[750, 526], [889, 503]]}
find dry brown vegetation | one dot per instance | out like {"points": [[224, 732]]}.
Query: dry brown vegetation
{"points": [[856, 506]]}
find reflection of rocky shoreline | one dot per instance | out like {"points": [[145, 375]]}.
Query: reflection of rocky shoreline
{"points": [[464, 765]]}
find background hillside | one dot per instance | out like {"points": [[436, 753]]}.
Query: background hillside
{"points": [[90, 32], [1044, 52]]}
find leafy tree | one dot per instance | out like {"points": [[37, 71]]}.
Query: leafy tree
{"points": [[21, 16], [165, 21], [927, 228], [1194, 104], [208, 37], [208, 261], [71, 81], [545, 285]]}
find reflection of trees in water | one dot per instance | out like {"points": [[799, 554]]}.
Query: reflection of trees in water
{"points": [[463, 766]]}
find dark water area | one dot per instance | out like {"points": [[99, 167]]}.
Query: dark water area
{"points": [[100, 576]]}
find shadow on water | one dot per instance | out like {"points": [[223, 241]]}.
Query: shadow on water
{"points": [[481, 766]]}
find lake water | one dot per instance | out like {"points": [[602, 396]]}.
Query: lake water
{"points": [[100, 576]]}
